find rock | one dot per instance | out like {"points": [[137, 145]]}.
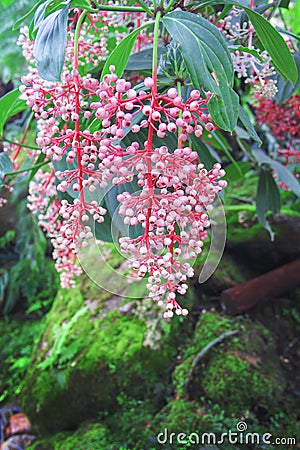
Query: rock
{"points": [[20, 442], [250, 242], [18, 423], [90, 436], [239, 373], [90, 353]]}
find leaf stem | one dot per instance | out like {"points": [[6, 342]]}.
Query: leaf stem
{"points": [[169, 6], [252, 208], [27, 169], [155, 49], [17, 151], [19, 145], [276, 5], [76, 36], [143, 8]]}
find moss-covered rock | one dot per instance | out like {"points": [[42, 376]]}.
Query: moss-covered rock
{"points": [[91, 350], [90, 436], [239, 372]]}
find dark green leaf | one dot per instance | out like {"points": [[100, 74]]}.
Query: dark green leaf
{"points": [[275, 45], [61, 166], [267, 199], [50, 44], [4, 278], [203, 48], [224, 107], [28, 14], [10, 104], [119, 57], [207, 155], [236, 171], [103, 231], [282, 172], [243, 116], [81, 4], [285, 88], [142, 60], [41, 159], [5, 166], [39, 14], [208, 62], [197, 6], [284, 4], [221, 143], [251, 51], [112, 205]]}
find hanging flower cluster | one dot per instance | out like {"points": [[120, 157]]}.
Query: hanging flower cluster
{"points": [[283, 121], [255, 67], [186, 187], [175, 191]]}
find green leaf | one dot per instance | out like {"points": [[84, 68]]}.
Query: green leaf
{"points": [[143, 60], [39, 14], [10, 104], [39, 161], [119, 57], [5, 166], [282, 172], [208, 62], [235, 172], [251, 51], [81, 4], [243, 116], [285, 88], [275, 45], [103, 231], [4, 278], [223, 145], [224, 108], [50, 44], [267, 199], [28, 14], [207, 155], [6, 3]]}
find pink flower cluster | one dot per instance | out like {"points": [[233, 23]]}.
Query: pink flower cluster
{"points": [[172, 208], [284, 124], [175, 193], [42, 191]]}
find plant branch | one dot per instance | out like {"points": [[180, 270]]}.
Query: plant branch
{"points": [[206, 349], [32, 147], [170, 6], [145, 7], [27, 169], [276, 5]]}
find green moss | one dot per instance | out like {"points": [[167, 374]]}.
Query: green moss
{"points": [[87, 355], [17, 341], [90, 436], [238, 373], [230, 382]]}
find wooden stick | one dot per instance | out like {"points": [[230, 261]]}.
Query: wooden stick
{"points": [[261, 289]]}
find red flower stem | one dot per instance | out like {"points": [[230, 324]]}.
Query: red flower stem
{"points": [[76, 138], [18, 149], [251, 28], [149, 146]]}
